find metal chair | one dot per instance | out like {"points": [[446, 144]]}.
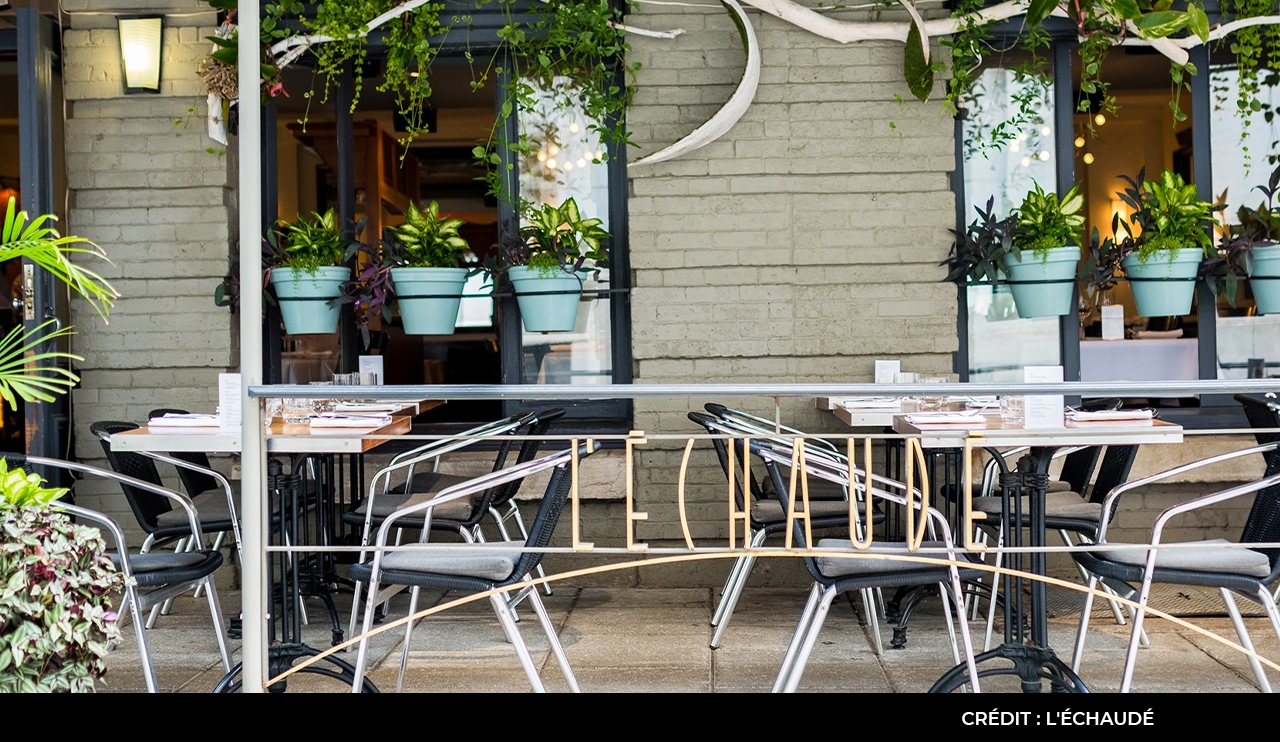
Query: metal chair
{"points": [[151, 579], [1235, 569], [843, 570], [473, 567]]}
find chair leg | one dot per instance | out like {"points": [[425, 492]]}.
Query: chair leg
{"points": [[1246, 641], [553, 638], [1139, 615], [215, 608], [140, 632], [811, 637], [873, 621], [957, 590], [729, 600], [408, 636], [1083, 628], [512, 631], [1084, 575], [724, 590], [362, 651], [991, 602], [788, 659], [513, 512]]}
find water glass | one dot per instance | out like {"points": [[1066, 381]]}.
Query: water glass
{"points": [[1012, 408], [933, 400], [297, 410], [271, 409], [322, 404]]}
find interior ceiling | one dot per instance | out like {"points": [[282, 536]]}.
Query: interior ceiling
{"points": [[450, 88]]}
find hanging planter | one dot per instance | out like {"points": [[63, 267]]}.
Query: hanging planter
{"points": [[429, 298], [548, 303], [1165, 284], [309, 301], [1263, 264], [1043, 287]]}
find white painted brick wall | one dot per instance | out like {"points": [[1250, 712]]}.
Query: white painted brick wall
{"points": [[145, 189]]}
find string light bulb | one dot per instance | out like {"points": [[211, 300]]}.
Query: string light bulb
{"points": [[1100, 119], [1079, 142], [1026, 162], [1045, 130], [1044, 155], [1088, 158]]}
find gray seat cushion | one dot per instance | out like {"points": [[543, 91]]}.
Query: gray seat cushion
{"points": [[770, 511], [211, 505], [1060, 504], [1212, 556], [492, 561], [838, 567], [388, 503]]}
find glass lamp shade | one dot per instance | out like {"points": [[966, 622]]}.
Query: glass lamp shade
{"points": [[140, 48]]}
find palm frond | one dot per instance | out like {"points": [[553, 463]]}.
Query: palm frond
{"points": [[34, 376]]}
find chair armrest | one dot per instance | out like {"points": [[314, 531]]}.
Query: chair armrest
{"points": [[217, 476], [1109, 503], [1210, 499]]}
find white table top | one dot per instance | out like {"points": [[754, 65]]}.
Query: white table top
{"points": [[999, 433], [281, 437]]}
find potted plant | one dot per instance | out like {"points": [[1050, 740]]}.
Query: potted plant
{"points": [[424, 254], [305, 268], [557, 248], [1048, 228], [1031, 250], [58, 587], [1251, 248], [1166, 239]]}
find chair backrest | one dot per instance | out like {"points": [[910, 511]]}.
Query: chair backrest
{"points": [[193, 481], [722, 453], [1261, 414], [146, 506], [1117, 462], [547, 518], [1078, 466], [1263, 524], [534, 427]]}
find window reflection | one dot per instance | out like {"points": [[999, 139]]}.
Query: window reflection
{"points": [[564, 160]]}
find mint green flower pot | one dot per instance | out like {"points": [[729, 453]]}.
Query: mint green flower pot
{"points": [[1043, 288], [305, 298], [542, 308], [429, 298], [1164, 286], [1264, 263]]}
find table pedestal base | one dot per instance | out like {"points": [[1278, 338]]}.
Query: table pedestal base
{"points": [[282, 656], [1032, 665]]}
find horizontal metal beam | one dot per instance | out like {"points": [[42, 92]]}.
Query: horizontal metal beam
{"points": [[639, 391]]}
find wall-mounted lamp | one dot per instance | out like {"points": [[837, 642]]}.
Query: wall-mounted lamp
{"points": [[141, 37]]}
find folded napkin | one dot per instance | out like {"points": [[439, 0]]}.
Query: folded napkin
{"points": [[181, 420], [1082, 416], [334, 420], [367, 407], [947, 418], [1157, 334], [871, 403]]}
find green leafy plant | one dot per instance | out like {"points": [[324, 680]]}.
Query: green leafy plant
{"points": [[1167, 216], [28, 369], [1045, 221], [306, 244], [558, 238], [426, 240], [977, 254], [1258, 227], [57, 589]]}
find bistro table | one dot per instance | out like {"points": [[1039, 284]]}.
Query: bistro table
{"points": [[302, 443], [1029, 657]]}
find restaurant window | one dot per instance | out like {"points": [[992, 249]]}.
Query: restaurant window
{"points": [[1246, 149], [439, 166], [1008, 145]]}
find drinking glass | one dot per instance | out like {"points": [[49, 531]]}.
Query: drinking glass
{"points": [[933, 400], [322, 404], [297, 410], [271, 409], [1012, 408]]}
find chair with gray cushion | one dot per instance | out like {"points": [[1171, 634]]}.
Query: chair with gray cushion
{"points": [[473, 567], [850, 568], [151, 578], [1235, 569]]}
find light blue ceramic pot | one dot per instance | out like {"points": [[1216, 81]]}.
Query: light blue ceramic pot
{"points": [[429, 298], [305, 298], [1043, 288], [542, 307], [1164, 286], [1264, 263]]}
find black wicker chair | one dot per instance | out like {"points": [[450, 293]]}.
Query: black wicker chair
{"points": [[836, 574], [474, 567], [1235, 569], [1262, 415], [151, 579]]}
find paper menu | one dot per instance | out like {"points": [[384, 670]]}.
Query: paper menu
{"points": [[372, 365], [1042, 410], [887, 370], [1113, 322], [229, 409]]}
